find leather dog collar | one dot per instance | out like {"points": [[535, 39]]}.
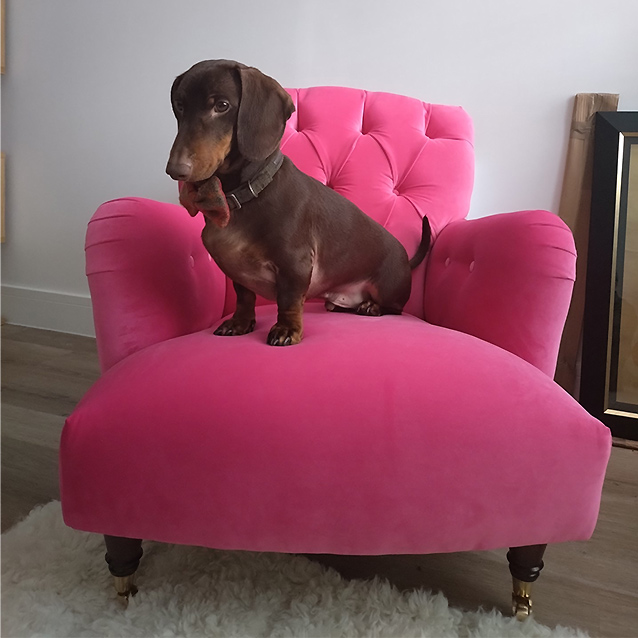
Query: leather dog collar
{"points": [[251, 189]]}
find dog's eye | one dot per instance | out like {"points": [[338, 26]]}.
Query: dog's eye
{"points": [[179, 107], [221, 106]]}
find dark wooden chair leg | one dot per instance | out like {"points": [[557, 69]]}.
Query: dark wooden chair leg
{"points": [[525, 566], [123, 558]]}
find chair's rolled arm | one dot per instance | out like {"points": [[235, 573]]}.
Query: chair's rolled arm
{"points": [[150, 277], [507, 279]]}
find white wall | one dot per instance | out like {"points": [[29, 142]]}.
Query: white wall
{"points": [[86, 114]]}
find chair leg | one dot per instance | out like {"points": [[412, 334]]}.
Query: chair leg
{"points": [[525, 566], [123, 558]]}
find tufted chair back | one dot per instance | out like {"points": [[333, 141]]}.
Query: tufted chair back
{"points": [[395, 157]]}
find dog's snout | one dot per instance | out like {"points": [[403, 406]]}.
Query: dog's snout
{"points": [[179, 170]]}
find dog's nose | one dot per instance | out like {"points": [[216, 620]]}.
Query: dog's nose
{"points": [[180, 171]]}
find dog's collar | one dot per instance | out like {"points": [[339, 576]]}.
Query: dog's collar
{"points": [[251, 189]]}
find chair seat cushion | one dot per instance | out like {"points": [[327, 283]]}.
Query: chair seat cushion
{"points": [[374, 435]]}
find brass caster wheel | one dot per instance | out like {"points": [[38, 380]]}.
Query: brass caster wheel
{"points": [[521, 601], [125, 588]]}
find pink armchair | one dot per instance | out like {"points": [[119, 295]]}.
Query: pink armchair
{"points": [[439, 430]]}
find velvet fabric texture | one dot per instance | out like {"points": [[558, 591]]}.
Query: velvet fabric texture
{"points": [[374, 435], [436, 431]]}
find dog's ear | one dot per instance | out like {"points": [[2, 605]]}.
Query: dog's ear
{"points": [[174, 88], [263, 112]]}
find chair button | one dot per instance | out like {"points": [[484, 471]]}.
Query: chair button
{"points": [[472, 266], [448, 261]]}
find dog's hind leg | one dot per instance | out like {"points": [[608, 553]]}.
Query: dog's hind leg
{"points": [[370, 308], [391, 289]]}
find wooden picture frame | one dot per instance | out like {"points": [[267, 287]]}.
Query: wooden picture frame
{"points": [[609, 377]]}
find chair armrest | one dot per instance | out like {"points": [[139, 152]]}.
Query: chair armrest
{"points": [[506, 279], [150, 277]]}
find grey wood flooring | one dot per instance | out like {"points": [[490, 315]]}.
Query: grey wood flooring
{"points": [[592, 585]]}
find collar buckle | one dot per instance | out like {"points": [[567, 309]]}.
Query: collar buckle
{"points": [[250, 190], [233, 201]]}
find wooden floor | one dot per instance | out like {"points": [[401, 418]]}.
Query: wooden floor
{"points": [[591, 585]]}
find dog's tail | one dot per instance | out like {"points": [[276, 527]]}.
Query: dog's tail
{"points": [[424, 246]]}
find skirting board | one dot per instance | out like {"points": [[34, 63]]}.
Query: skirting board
{"points": [[47, 310]]}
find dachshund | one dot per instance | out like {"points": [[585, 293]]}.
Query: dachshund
{"points": [[272, 229]]}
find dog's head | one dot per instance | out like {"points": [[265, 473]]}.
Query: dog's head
{"points": [[223, 106]]}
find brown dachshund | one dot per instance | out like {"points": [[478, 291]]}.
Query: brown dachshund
{"points": [[273, 230]]}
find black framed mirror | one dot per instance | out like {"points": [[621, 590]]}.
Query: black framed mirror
{"points": [[609, 376]]}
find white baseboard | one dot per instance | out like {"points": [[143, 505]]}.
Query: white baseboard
{"points": [[48, 310]]}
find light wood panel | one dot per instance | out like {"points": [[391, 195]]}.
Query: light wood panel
{"points": [[575, 203], [591, 585]]}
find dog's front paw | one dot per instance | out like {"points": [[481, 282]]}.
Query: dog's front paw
{"points": [[232, 327], [283, 335]]}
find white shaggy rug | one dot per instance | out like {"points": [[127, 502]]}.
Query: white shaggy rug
{"points": [[55, 583]]}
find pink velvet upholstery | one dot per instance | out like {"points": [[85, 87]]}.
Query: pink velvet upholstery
{"points": [[436, 431]]}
